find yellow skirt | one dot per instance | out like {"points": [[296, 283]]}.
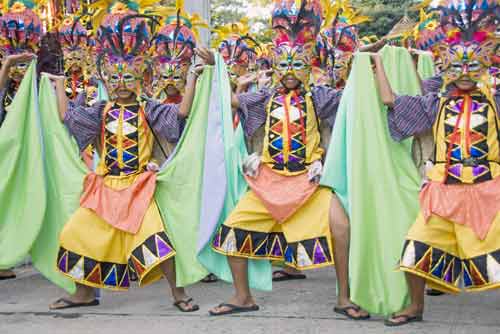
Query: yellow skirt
{"points": [[96, 254], [303, 241], [443, 253]]}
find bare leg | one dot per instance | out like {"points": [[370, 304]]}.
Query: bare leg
{"points": [[83, 294], [242, 296], [416, 308], [340, 229], [178, 293]]}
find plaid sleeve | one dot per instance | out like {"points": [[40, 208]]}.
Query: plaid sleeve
{"points": [[252, 110], [164, 120], [84, 123], [412, 115], [326, 101]]}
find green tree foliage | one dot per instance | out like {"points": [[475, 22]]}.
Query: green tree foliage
{"points": [[384, 13]]}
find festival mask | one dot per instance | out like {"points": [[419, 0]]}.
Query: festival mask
{"points": [[123, 73], [293, 61], [466, 61], [339, 71], [170, 73]]}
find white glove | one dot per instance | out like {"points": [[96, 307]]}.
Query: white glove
{"points": [[152, 167], [251, 165], [315, 170]]}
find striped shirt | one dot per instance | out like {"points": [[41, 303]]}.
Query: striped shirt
{"points": [[85, 123], [414, 115], [253, 106]]}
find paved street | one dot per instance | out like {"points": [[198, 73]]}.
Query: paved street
{"points": [[293, 307]]}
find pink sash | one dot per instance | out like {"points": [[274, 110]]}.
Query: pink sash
{"points": [[281, 195], [122, 208], [475, 205]]}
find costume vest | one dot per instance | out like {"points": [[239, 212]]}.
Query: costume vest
{"points": [[126, 140], [466, 138], [292, 137]]}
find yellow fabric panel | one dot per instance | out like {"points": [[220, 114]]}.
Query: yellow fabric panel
{"points": [[310, 221]]}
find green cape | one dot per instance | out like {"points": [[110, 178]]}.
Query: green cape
{"points": [[64, 171], [22, 185], [376, 180], [425, 66], [224, 184]]}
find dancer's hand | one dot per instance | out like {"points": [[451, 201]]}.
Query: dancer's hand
{"points": [[19, 58], [264, 79], [314, 172], [251, 165], [54, 77], [206, 55], [152, 167], [244, 81]]}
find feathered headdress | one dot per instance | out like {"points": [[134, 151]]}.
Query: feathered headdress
{"points": [[340, 25], [296, 22], [124, 35], [177, 38], [73, 35], [235, 43], [428, 32], [471, 24], [20, 27]]}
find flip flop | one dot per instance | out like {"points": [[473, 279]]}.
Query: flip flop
{"points": [[407, 319], [70, 304], [234, 309], [3, 278], [434, 292], [210, 278], [287, 276], [186, 303], [345, 311]]}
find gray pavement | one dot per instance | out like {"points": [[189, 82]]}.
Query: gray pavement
{"points": [[293, 307]]}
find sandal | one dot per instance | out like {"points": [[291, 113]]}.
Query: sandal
{"points": [[434, 292], [234, 309], [70, 304], [345, 311], [210, 278], [284, 276], [186, 303], [407, 319], [8, 276]]}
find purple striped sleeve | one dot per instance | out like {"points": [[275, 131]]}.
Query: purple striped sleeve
{"points": [[326, 101], [84, 123], [252, 110], [412, 115], [164, 120], [432, 85]]}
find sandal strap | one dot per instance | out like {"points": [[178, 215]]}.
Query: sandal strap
{"points": [[185, 301]]}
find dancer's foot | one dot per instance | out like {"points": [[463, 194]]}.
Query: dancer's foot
{"points": [[83, 297], [210, 278], [183, 302], [235, 305], [288, 274], [351, 310], [7, 274], [406, 316]]}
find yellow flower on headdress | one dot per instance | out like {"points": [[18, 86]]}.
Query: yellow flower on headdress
{"points": [[119, 8], [18, 7]]}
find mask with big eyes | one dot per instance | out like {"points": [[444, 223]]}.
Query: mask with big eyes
{"points": [[17, 71], [294, 61], [170, 74], [74, 61], [339, 71], [125, 74], [467, 62], [236, 70]]}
